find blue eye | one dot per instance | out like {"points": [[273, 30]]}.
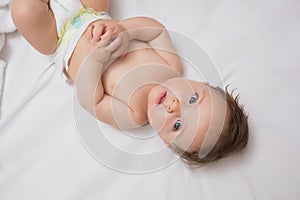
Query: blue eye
{"points": [[194, 98], [177, 125]]}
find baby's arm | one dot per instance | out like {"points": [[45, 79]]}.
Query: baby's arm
{"points": [[89, 88], [154, 33]]}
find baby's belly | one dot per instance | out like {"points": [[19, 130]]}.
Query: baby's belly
{"points": [[133, 75]]}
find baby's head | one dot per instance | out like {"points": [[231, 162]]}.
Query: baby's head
{"points": [[201, 123]]}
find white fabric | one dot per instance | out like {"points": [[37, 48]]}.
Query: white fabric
{"points": [[6, 26], [255, 46], [64, 10], [70, 48], [6, 23], [2, 77], [63, 54], [4, 2]]}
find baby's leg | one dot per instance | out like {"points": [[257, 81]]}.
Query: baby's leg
{"points": [[97, 5], [36, 22]]}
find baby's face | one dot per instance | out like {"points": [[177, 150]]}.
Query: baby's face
{"points": [[180, 110]]}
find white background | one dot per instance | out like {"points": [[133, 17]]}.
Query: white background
{"points": [[255, 46]]}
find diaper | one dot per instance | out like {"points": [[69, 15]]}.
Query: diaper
{"points": [[63, 10], [72, 19]]}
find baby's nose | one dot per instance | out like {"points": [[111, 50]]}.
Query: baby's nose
{"points": [[173, 105]]}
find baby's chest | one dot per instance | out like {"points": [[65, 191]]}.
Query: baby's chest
{"points": [[129, 78]]}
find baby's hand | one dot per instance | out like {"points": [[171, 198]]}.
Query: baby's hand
{"points": [[122, 33], [107, 45]]}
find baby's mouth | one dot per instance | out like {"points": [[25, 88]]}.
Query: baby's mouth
{"points": [[161, 98]]}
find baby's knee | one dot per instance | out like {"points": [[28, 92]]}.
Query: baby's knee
{"points": [[20, 8], [27, 11], [20, 11]]}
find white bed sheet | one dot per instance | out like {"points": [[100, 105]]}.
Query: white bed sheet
{"points": [[255, 47]]}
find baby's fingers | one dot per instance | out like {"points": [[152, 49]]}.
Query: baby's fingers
{"points": [[103, 52], [94, 32], [108, 34], [97, 32], [114, 44]]}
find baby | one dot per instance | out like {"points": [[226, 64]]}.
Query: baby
{"points": [[128, 75]]}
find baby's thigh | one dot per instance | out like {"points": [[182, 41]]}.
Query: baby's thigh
{"points": [[36, 23], [98, 5]]}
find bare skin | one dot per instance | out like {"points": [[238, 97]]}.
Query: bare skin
{"points": [[39, 27], [129, 93], [128, 80], [128, 88]]}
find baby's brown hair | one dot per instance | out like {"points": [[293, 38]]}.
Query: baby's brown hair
{"points": [[233, 138]]}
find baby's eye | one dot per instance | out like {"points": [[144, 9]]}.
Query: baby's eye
{"points": [[177, 125], [194, 98]]}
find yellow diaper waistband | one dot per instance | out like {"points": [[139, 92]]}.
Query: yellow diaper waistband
{"points": [[76, 22]]}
